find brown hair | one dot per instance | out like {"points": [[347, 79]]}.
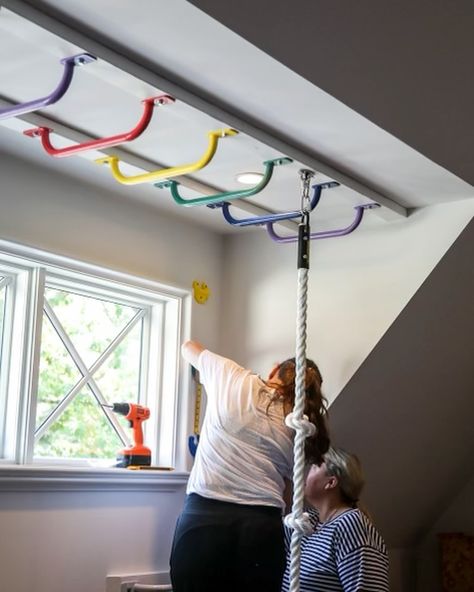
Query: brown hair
{"points": [[314, 407]]}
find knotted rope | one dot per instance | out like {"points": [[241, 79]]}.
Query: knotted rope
{"points": [[299, 520]]}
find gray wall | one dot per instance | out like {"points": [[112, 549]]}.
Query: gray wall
{"points": [[413, 397]]}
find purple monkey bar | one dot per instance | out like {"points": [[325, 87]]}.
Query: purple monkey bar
{"points": [[326, 233], [69, 65]]}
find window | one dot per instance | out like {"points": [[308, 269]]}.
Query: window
{"points": [[73, 339]]}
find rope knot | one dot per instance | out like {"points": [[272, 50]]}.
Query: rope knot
{"points": [[300, 424], [301, 524]]}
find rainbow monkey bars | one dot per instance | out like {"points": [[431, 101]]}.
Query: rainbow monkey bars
{"points": [[64, 84], [213, 138], [219, 197], [148, 105]]}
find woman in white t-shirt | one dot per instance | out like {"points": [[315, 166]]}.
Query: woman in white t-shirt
{"points": [[346, 552], [229, 536]]}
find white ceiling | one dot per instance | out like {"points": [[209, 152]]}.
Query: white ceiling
{"points": [[177, 41]]}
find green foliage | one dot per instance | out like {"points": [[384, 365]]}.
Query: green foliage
{"points": [[57, 374], [82, 431]]}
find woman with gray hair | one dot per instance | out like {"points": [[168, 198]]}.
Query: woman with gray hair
{"points": [[345, 553]]}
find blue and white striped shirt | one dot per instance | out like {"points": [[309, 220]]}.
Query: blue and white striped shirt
{"points": [[345, 554]]}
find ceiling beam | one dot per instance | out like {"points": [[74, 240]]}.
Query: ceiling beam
{"points": [[115, 55]]}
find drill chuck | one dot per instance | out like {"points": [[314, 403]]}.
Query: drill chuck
{"points": [[121, 408]]}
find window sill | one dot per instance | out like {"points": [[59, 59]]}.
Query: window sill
{"points": [[28, 478]]}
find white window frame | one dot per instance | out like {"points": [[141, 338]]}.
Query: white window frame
{"points": [[7, 284], [168, 322]]}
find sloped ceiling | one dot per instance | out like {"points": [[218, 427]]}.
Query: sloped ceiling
{"points": [[406, 66]]}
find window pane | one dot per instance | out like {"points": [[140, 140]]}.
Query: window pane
{"points": [[91, 323], [82, 431], [119, 378], [57, 375]]}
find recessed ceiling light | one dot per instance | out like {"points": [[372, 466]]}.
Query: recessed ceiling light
{"points": [[249, 178]]}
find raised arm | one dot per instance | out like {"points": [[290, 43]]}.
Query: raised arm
{"points": [[190, 350]]}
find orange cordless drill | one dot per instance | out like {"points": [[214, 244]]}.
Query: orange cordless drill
{"points": [[137, 454]]}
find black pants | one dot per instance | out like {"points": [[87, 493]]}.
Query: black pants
{"points": [[224, 547]]}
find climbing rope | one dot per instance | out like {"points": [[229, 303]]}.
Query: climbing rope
{"points": [[299, 520]]}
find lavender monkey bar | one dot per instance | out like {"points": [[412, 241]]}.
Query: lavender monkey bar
{"points": [[69, 65], [326, 233]]}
